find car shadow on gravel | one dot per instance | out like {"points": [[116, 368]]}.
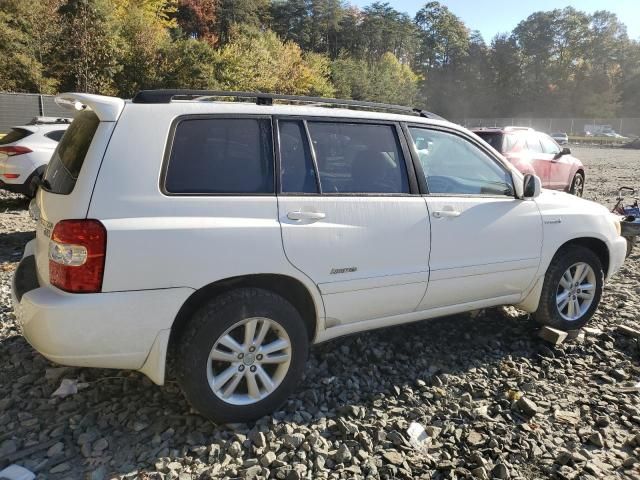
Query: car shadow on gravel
{"points": [[406, 372], [13, 202], [12, 245]]}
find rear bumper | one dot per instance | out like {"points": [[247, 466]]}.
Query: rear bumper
{"points": [[105, 330]]}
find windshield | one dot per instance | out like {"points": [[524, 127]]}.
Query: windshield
{"points": [[68, 158], [492, 138]]}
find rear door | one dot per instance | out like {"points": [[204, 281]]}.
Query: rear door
{"points": [[351, 216]]}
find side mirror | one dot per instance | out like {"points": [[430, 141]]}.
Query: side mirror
{"points": [[532, 186], [564, 151]]}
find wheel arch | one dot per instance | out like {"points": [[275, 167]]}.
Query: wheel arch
{"points": [[290, 288], [596, 245]]}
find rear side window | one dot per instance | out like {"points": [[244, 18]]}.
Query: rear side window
{"points": [[55, 135], [67, 160], [221, 156], [533, 144], [358, 158], [297, 174], [14, 135]]}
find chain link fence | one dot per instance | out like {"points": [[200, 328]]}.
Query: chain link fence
{"points": [[21, 108], [629, 127]]}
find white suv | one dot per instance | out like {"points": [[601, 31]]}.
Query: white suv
{"points": [[25, 152], [226, 237]]}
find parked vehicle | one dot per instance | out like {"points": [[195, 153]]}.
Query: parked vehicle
{"points": [[25, 152], [537, 153], [227, 237], [560, 138], [630, 215]]}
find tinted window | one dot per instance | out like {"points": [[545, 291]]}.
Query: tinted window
{"points": [[492, 138], [533, 144], [55, 135], [296, 165], [548, 145], [221, 155], [358, 158], [67, 160], [453, 165], [14, 135]]}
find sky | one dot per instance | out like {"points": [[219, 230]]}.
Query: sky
{"points": [[501, 16]]}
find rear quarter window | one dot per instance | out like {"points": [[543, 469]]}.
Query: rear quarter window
{"points": [[14, 135], [221, 156], [66, 162]]}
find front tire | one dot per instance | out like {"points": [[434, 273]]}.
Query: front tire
{"points": [[577, 185], [242, 354], [572, 289]]}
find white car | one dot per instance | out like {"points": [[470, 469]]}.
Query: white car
{"points": [[227, 237], [25, 152]]}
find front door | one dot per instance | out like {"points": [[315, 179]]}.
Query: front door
{"points": [[485, 243], [350, 218], [559, 166]]}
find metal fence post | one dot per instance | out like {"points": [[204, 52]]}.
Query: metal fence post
{"points": [[41, 105]]}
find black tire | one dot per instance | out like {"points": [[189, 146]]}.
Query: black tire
{"points": [[547, 312], [209, 323], [577, 185]]}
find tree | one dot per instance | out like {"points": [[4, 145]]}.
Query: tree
{"points": [[260, 61], [198, 19], [89, 57]]}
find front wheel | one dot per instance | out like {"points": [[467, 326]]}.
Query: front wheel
{"points": [[577, 185], [242, 355], [572, 289]]}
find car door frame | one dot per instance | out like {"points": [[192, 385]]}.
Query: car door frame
{"points": [[367, 283], [426, 194]]}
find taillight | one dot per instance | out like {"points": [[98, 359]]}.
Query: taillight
{"points": [[17, 150], [76, 255], [10, 175]]}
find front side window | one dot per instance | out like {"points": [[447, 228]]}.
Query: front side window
{"points": [[453, 165], [221, 156], [548, 145], [358, 158]]}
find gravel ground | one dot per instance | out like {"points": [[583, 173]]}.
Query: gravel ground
{"points": [[494, 400]]}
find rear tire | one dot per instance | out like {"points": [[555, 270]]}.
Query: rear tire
{"points": [[227, 371], [571, 265], [577, 185]]}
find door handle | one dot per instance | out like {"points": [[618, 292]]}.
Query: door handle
{"points": [[446, 214], [303, 215]]}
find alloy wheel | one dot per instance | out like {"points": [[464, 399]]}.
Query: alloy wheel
{"points": [[249, 361], [576, 291]]}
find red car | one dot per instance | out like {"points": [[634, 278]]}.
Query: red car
{"points": [[537, 153]]}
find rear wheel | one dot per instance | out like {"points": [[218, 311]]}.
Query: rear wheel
{"points": [[572, 289], [242, 355], [577, 185]]}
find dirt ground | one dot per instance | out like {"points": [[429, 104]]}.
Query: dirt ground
{"points": [[458, 377]]}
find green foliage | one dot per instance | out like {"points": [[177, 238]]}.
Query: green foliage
{"points": [[260, 61], [558, 62]]}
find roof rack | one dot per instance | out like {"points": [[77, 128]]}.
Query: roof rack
{"points": [[166, 96], [49, 120]]}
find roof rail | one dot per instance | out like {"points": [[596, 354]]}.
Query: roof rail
{"points": [[166, 96], [49, 120]]}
